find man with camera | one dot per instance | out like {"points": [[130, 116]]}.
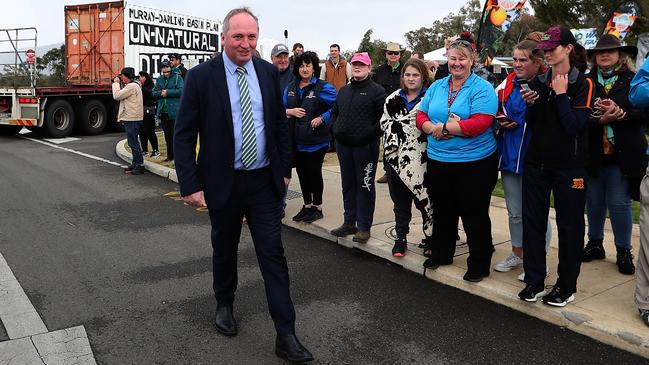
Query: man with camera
{"points": [[131, 113]]}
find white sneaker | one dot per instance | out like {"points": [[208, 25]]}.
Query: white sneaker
{"points": [[521, 277], [511, 262]]}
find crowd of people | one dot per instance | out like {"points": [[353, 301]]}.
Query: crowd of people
{"points": [[143, 104], [560, 129]]}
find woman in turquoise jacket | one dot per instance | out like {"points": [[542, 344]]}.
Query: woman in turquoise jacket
{"points": [[167, 90]]}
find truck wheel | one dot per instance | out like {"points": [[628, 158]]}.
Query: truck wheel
{"points": [[59, 119], [113, 110], [9, 130], [92, 117]]}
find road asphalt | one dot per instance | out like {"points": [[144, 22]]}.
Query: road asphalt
{"points": [[123, 257]]}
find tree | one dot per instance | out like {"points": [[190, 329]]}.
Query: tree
{"points": [[422, 39], [373, 47], [51, 67], [586, 14], [524, 25], [427, 39], [573, 13]]}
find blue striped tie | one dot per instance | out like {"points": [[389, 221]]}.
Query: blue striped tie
{"points": [[249, 145]]}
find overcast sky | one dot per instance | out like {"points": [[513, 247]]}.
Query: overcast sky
{"points": [[316, 24]]}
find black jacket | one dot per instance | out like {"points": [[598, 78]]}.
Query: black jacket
{"points": [[390, 79], [357, 112], [559, 123], [183, 71], [147, 96], [630, 142]]}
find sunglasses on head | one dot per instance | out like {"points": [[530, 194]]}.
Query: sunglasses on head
{"points": [[393, 53], [461, 42]]}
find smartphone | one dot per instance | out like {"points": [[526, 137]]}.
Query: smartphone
{"points": [[453, 118], [524, 85]]}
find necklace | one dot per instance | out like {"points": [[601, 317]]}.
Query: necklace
{"points": [[452, 95]]}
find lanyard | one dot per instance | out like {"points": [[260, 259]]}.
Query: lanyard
{"points": [[451, 95]]}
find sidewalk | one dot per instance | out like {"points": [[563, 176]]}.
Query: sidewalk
{"points": [[603, 308]]}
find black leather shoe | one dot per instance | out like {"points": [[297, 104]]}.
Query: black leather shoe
{"points": [[289, 347], [224, 320]]}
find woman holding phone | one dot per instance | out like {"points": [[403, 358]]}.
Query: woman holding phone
{"points": [[457, 114], [513, 138], [555, 164], [617, 152]]}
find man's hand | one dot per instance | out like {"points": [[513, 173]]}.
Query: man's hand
{"points": [[116, 80], [195, 200], [164, 93], [287, 181]]}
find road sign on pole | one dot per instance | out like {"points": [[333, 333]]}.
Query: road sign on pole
{"points": [[31, 56]]}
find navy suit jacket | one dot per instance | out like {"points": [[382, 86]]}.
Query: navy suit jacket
{"points": [[205, 111]]}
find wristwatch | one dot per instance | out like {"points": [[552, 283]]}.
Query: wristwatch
{"points": [[445, 131]]}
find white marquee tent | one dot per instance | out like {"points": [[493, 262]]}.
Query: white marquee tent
{"points": [[439, 55]]}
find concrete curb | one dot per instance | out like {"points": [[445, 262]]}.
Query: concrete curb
{"points": [[571, 317], [166, 172]]}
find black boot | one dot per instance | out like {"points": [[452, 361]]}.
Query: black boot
{"points": [[594, 250], [625, 261]]}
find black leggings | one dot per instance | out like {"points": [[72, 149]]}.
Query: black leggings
{"points": [[168, 128], [309, 169], [147, 134]]}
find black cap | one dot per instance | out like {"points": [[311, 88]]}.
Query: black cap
{"points": [[175, 56], [128, 72], [165, 63]]}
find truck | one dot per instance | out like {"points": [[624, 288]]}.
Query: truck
{"points": [[100, 40]]}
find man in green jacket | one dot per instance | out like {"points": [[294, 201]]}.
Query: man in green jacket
{"points": [[167, 90]]}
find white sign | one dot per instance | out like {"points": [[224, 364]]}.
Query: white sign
{"points": [[587, 37]]}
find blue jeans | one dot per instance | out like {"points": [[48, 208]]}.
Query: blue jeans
{"points": [[132, 134], [513, 186], [609, 190]]}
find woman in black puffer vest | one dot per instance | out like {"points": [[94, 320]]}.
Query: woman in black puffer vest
{"points": [[356, 115]]}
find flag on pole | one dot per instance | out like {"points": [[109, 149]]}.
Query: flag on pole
{"points": [[497, 17], [622, 19]]}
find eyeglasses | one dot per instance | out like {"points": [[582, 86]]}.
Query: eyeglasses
{"points": [[393, 53], [166, 72]]}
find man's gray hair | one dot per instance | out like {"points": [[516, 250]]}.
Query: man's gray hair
{"points": [[233, 12]]}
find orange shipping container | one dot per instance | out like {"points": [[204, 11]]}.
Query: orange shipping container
{"points": [[103, 38]]}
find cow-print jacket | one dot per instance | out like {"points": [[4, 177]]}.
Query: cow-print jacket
{"points": [[405, 152]]}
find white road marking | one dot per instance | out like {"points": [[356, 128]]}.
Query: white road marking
{"points": [[87, 155], [29, 340], [61, 140], [17, 313]]}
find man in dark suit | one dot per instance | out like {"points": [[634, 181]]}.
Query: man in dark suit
{"points": [[234, 103]]}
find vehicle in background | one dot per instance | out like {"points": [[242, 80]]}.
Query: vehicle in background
{"points": [[100, 40]]}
